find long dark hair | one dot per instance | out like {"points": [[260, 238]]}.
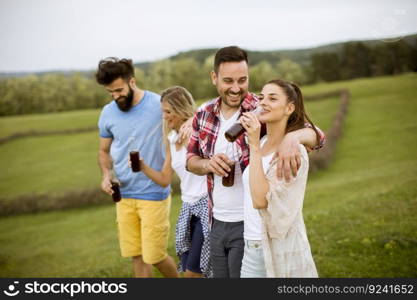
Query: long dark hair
{"points": [[299, 117]]}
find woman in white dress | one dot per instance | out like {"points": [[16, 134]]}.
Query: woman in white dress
{"points": [[192, 228], [285, 247]]}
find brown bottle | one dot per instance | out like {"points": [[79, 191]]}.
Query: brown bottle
{"points": [[116, 192], [230, 179], [134, 159], [237, 129], [234, 132]]}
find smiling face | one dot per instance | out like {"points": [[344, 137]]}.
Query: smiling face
{"points": [[275, 104], [232, 82], [172, 120]]}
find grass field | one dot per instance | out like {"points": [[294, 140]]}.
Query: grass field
{"points": [[54, 164], [322, 112], [74, 243], [47, 122], [359, 213]]}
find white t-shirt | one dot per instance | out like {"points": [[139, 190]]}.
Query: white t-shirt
{"points": [[193, 187], [227, 201], [252, 221]]}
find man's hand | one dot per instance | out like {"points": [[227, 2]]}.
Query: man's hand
{"points": [[129, 162], [185, 130], [106, 185], [288, 155], [219, 164]]}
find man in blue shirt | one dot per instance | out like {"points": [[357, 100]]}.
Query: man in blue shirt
{"points": [[133, 121]]}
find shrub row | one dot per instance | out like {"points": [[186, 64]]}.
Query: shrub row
{"points": [[321, 159]]}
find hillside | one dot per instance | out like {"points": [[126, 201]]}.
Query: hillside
{"points": [[301, 56]]}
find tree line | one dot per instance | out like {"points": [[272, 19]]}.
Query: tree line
{"points": [[60, 92], [359, 60]]}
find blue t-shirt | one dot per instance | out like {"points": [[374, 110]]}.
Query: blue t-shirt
{"points": [[138, 129]]}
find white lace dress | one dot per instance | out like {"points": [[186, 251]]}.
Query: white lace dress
{"points": [[286, 248]]}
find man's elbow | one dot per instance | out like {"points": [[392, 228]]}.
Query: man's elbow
{"points": [[190, 164], [164, 184], [104, 152]]}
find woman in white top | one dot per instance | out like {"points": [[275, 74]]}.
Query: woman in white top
{"points": [[192, 228], [273, 208]]}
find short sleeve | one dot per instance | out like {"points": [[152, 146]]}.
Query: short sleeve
{"points": [[104, 132]]}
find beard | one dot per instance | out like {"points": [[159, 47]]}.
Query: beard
{"points": [[124, 103], [241, 94]]}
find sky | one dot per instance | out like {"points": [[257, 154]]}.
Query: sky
{"points": [[44, 35]]}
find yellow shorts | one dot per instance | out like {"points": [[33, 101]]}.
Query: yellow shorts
{"points": [[143, 227]]}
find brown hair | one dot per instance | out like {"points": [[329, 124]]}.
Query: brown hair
{"points": [[229, 54], [299, 116], [112, 68]]}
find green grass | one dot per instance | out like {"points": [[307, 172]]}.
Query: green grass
{"points": [[73, 243], [49, 164], [359, 213], [321, 112], [46, 122]]}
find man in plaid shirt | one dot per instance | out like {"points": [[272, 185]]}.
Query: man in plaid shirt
{"points": [[209, 153]]}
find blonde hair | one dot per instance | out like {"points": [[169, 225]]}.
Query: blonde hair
{"points": [[181, 102]]}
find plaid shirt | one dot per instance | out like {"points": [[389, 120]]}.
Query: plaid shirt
{"points": [[206, 125]]}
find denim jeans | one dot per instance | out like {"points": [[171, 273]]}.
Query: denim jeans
{"points": [[253, 264]]}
